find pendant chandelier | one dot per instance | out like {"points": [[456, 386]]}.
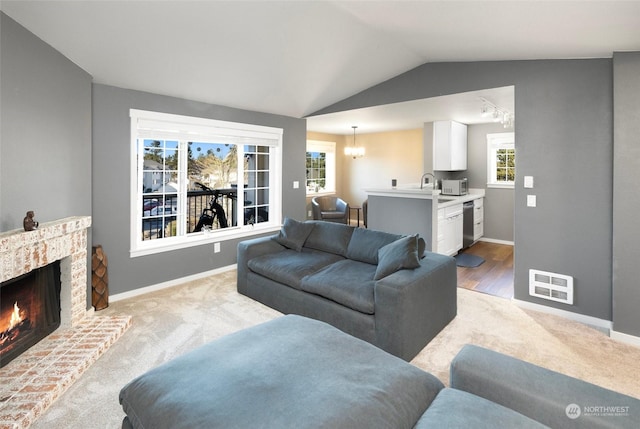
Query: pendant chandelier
{"points": [[354, 151]]}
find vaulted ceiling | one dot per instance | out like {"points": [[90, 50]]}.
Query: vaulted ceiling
{"points": [[296, 57]]}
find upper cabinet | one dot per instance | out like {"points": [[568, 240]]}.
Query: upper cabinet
{"points": [[449, 146]]}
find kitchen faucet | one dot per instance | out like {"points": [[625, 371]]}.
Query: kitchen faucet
{"points": [[422, 180]]}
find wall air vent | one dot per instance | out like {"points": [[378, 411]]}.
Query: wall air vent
{"points": [[552, 286]]}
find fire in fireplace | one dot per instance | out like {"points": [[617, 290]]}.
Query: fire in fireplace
{"points": [[29, 310]]}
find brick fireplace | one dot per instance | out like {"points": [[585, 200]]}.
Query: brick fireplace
{"points": [[36, 378], [64, 240]]}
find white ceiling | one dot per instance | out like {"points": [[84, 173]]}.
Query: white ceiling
{"points": [[295, 57], [409, 115]]}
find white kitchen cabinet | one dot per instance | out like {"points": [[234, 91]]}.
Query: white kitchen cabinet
{"points": [[478, 218], [441, 233], [450, 225], [449, 146], [458, 229]]}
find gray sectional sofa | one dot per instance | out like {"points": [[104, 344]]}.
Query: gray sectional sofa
{"points": [[295, 372], [382, 288]]}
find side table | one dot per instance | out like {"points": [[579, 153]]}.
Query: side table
{"points": [[357, 209]]}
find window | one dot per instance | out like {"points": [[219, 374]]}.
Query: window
{"points": [[501, 160], [321, 167], [198, 180]]}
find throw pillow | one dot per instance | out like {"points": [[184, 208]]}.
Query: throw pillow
{"points": [[293, 234], [402, 253], [365, 243]]}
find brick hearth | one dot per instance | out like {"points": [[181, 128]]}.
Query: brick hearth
{"points": [[35, 379]]}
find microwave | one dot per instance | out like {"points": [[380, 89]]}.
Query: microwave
{"points": [[454, 187]]}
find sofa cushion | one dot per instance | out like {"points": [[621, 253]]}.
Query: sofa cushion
{"points": [[291, 372], [538, 392], [289, 267], [457, 409], [365, 243], [346, 282], [293, 234], [329, 237], [332, 214], [401, 254]]}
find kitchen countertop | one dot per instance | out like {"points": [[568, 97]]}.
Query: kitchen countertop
{"points": [[473, 194], [427, 193]]}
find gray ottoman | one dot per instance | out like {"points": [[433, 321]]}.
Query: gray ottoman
{"points": [[291, 372]]}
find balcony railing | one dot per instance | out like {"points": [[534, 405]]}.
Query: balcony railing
{"points": [[160, 211]]}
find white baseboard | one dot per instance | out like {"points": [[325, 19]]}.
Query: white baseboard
{"points": [[625, 338], [600, 324], [168, 284], [493, 240]]}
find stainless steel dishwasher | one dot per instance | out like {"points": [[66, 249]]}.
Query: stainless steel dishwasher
{"points": [[467, 225]]}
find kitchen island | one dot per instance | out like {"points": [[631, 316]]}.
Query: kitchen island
{"points": [[410, 210]]}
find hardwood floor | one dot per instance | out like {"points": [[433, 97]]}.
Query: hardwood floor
{"points": [[495, 275]]}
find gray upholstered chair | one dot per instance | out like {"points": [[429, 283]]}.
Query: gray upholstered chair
{"points": [[330, 209]]}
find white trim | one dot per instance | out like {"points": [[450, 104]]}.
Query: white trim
{"points": [[494, 142], [331, 166], [625, 338], [147, 119], [198, 239], [170, 283], [581, 318], [496, 241], [503, 185]]}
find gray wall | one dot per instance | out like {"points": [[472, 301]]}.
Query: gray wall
{"points": [[626, 204], [111, 184], [45, 132], [564, 139]]}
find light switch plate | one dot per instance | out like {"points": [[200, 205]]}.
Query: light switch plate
{"points": [[531, 200], [296, 184], [528, 181]]}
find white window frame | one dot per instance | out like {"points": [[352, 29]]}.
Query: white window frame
{"points": [[329, 149], [494, 143], [156, 125]]}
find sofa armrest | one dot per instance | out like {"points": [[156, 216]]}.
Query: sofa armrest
{"points": [[250, 249], [413, 305], [554, 399]]}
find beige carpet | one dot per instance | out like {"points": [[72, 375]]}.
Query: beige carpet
{"points": [[171, 322]]}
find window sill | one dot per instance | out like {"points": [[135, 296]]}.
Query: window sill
{"points": [[320, 193], [501, 185], [199, 239]]}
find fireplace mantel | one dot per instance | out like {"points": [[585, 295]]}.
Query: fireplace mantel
{"points": [[64, 240]]}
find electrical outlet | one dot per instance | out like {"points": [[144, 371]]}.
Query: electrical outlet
{"points": [[309, 213], [296, 184], [216, 247], [531, 200]]}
